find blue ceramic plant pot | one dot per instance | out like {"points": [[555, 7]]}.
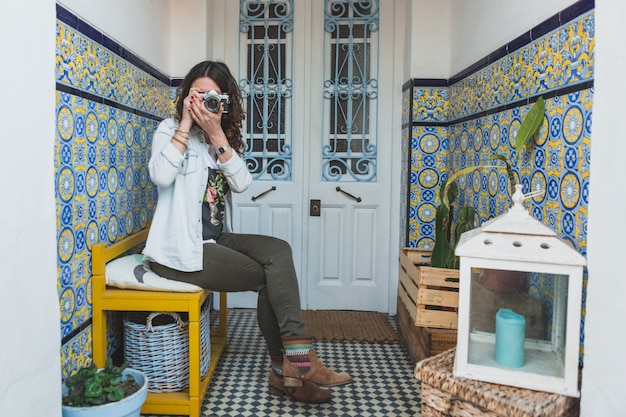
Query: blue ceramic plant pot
{"points": [[127, 407]]}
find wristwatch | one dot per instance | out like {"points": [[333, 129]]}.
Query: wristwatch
{"points": [[221, 150]]}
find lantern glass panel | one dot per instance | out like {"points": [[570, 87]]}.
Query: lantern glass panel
{"points": [[518, 320]]}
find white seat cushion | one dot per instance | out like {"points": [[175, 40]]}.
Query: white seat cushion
{"points": [[129, 272]]}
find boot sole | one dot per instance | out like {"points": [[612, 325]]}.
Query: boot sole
{"points": [[275, 391], [332, 385]]}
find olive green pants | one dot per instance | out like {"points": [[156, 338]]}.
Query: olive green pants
{"points": [[264, 264]]}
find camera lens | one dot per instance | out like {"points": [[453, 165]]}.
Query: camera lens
{"points": [[212, 104]]}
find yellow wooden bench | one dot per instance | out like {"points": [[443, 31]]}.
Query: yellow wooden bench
{"points": [[189, 401]]}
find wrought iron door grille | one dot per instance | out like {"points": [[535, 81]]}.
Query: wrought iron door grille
{"points": [[266, 61], [350, 91]]}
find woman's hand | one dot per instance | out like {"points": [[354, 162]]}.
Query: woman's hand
{"points": [[186, 121], [209, 122]]}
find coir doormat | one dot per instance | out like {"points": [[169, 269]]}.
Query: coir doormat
{"points": [[355, 326]]}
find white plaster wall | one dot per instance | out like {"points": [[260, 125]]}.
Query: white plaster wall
{"points": [[603, 392], [223, 44], [428, 30], [188, 37], [30, 368], [479, 27], [168, 34]]}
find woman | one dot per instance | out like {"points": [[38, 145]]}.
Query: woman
{"points": [[196, 163]]}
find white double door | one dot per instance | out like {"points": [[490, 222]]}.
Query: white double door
{"points": [[345, 248]]}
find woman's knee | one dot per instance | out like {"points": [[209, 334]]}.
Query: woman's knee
{"points": [[280, 244]]}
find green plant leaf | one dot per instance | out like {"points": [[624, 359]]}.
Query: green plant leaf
{"points": [[89, 387], [509, 171], [465, 223], [116, 393], [530, 124], [451, 178]]}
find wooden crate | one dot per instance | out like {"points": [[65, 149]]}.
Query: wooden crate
{"points": [[444, 395], [430, 294], [422, 342]]}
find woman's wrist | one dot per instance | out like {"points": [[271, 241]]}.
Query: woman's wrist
{"points": [[182, 142], [219, 140], [185, 126], [182, 137], [222, 149]]}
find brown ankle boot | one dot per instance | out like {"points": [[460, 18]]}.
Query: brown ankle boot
{"points": [[320, 375], [300, 390]]}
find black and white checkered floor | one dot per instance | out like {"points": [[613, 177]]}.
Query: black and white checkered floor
{"points": [[383, 378]]}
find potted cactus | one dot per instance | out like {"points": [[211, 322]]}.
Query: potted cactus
{"points": [[443, 251], [109, 392]]}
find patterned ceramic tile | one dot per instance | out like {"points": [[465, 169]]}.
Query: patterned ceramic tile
{"points": [[561, 58], [558, 160], [404, 186], [76, 353], [102, 189], [429, 154], [406, 106], [88, 66], [430, 104]]}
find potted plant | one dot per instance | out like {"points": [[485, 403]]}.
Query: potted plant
{"points": [[443, 250], [530, 125], [501, 281], [114, 391]]}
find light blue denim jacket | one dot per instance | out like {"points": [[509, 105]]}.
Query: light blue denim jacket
{"points": [[175, 237]]}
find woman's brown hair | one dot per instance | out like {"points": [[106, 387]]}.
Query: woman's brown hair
{"points": [[231, 121]]}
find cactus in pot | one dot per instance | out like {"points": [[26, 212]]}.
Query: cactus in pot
{"points": [[443, 251]]}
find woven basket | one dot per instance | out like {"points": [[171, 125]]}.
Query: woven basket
{"points": [[160, 347], [444, 395]]}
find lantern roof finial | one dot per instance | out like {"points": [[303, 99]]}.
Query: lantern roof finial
{"points": [[517, 219], [519, 197]]}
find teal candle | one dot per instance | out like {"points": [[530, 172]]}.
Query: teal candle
{"points": [[510, 335]]}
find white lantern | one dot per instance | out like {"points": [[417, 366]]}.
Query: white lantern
{"points": [[511, 332]]}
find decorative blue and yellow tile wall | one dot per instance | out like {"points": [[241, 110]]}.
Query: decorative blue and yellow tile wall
{"points": [[108, 106], [461, 122], [456, 126]]}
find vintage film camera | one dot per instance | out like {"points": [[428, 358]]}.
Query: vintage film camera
{"points": [[212, 101]]}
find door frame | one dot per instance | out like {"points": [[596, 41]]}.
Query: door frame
{"points": [[221, 36]]}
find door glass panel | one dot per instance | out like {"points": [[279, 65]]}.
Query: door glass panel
{"points": [[350, 90], [265, 71]]}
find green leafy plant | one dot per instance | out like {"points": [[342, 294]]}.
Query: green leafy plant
{"points": [[531, 123], [443, 251], [90, 386]]}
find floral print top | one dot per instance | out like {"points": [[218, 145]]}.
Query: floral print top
{"points": [[213, 205]]}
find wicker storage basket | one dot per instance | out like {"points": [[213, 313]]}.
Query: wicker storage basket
{"points": [[158, 345], [444, 395]]}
